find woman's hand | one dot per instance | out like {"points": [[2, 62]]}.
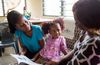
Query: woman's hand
{"points": [[22, 52], [51, 63], [23, 49]]}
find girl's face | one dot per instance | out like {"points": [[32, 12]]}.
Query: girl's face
{"points": [[23, 25], [55, 30]]}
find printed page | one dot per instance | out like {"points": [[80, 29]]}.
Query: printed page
{"points": [[24, 59]]}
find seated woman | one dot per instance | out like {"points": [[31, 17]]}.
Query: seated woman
{"points": [[86, 51], [30, 37]]}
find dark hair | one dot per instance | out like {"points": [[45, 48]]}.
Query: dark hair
{"points": [[60, 21], [87, 13], [46, 26], [13, 18]]}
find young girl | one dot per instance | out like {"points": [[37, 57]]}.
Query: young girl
{"points": [[30, 37], [55, 44], [61, 22]]}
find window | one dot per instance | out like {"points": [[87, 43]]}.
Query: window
{"points": [[52, 7], [68, 4], [1, 8], [58, 7], [8, 5]]}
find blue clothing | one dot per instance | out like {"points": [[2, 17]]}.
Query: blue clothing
{"points": [[31, 43]]}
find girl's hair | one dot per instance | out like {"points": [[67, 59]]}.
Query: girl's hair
{"points": [[13, 18], [60, 21], [87, 13], [46, 27]]}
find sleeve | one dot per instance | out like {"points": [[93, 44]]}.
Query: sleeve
{"points": [[88, 52], [63, 44], [39, 33]]}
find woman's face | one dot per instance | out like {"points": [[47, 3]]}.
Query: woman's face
{"points": [[23, 24], [55, 31]]}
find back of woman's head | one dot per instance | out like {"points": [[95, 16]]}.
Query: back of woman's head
{"points": [[87, 13], [13, 18]]}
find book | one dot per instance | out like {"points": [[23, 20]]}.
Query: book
{"points": [[24, 59]]}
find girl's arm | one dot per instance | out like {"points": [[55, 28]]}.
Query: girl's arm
{"points": [[64, 52], [63, 46], [63, 61], [36, 57], [41, 42]]}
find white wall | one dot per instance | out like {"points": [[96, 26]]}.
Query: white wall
{"points": [[35, 7]]}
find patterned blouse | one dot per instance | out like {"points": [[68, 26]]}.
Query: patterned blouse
{"points": [[87, 52]]}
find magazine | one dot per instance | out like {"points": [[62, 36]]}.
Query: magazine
{"points": [[24, 59]]}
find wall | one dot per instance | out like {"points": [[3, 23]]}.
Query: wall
{"points": [[36, 9], [2, 19], [33, 6], [69, 28]]}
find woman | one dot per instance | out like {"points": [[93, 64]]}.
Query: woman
{"points": [[86, 51], [30, 37]]}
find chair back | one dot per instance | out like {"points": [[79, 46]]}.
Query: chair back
{"points": [[7, 36]]}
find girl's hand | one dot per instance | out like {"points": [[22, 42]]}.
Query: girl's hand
{"points": [[36, 57], [51, 63], [23, 63]]}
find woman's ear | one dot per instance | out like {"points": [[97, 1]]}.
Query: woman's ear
{"points": [[98, 32], [94, 31]]}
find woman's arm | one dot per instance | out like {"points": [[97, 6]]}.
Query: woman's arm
{"points": [[66, 58], [21, 47], [41, 42]]}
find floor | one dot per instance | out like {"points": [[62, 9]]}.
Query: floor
{"points": [[6, 59]]}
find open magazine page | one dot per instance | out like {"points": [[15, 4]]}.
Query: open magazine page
{"points": [[23, 59]]}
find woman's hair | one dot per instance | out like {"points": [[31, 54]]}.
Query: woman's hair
{"points": [[87, 13], [13, 18]]}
